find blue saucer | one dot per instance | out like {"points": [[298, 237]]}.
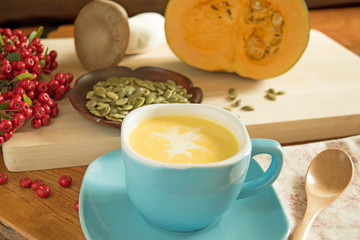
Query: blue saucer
{"points": [[107, 213]]}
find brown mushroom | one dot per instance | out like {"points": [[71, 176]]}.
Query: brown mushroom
{"points": [[101, 33]]}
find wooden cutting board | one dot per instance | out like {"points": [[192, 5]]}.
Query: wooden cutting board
{"points": [[322, 101]]}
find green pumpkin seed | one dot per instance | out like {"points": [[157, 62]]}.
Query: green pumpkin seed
{"points": [[270, 96], [112, 95], [121, 101], [89, 94], [248, 108], [128, 107], [101, 92]]}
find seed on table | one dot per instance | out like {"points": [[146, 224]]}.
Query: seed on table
{"points": [[232, 91], [271, 90], [270, 96], [248, 108], [238, 103], [233, 96]]}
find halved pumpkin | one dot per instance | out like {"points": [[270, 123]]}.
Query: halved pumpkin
{"points": [[254, 38]]}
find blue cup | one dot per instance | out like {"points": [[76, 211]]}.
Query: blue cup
{"points": [[189, 197]]}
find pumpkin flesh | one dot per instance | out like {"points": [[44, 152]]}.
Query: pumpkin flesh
{"points": [[255, 38]]}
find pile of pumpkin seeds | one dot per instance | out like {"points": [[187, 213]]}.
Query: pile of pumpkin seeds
{"points": [[115, 97]]}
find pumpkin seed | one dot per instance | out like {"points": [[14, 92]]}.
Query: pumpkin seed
{"points": [[238, 103], [271, 90], [128, 107], [121, 101], [248, 108], [270, 96], [89, 94], [232, 91], [112, 95], [233, 96]]}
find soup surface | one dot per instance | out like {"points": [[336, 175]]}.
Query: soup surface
{"points": [[185, 139]]}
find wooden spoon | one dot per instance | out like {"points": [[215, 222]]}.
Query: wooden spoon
{"points": [[327, 177]]}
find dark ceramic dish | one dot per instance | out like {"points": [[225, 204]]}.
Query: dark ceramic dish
{"points": [[85, 83]]}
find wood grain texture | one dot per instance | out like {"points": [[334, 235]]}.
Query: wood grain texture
{"points": [[25, 215], [341, 24]]}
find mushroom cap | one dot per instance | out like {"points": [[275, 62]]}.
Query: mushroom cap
{"points": [[101, 34]]}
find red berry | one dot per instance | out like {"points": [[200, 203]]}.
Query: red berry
{"points": [[47, 108], [6, 68], [5, 125], [68, 77], [60, 77], [53, 85], [28, 113], [24, 53], [15, 102], [36, 123], [65, 181], [25, 182], [36, 41], [42, 87], [30, 94], [27, 84], [52, 103], [18, 120], [9, 94], [53, 65], [36, 103], [24, 106], [37, 68], [43, 97], [19, 90], [35, 58], [40, 48], [39, 112], [29, 62], [4, 61], [46, 120], [76, 205], [53, 54], [7, 135], [61, 90], [43, 191], [54, 112], [2, 140], [37, 183], [3, 178], [20, 65], [1, 99]]}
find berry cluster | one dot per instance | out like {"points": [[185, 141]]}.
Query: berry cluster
{"points": [[26, 89]]}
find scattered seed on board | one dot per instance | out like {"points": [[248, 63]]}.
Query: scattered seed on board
{"points": [[270, 96], [248, 108], [115, 97]]}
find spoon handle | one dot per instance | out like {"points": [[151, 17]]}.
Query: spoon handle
{"points": [[305, 224]]}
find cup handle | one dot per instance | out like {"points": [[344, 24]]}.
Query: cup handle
{"points": [[266, 146]]}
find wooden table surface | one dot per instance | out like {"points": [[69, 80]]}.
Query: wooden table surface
{"points": [[23, 215]]}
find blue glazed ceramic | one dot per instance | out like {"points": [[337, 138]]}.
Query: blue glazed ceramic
{"points": [[188, 197], [106, 211]]}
